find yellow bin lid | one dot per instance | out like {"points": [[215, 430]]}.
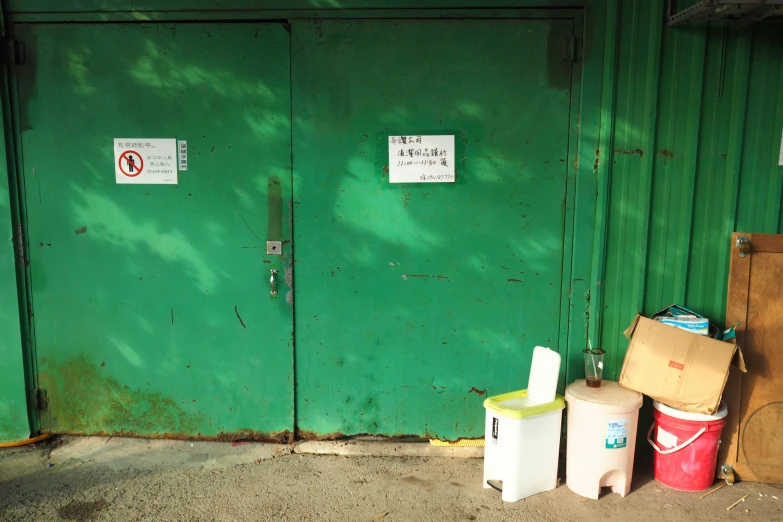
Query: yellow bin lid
{"points": [[516, 405]]}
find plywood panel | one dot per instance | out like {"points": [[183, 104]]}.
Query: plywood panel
{"points": [[736, 314], [755, 399]]}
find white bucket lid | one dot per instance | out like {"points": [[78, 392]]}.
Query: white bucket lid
{"points": [[544, 371], [609, 398], [723, 410]]}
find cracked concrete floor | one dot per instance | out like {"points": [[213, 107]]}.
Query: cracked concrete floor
{"points": [[131, 479]]}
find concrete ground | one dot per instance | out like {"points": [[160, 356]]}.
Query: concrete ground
{"points": [[131, 479]]}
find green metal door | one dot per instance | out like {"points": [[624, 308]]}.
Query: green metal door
{"points": [[414, 301], [151, 303]]}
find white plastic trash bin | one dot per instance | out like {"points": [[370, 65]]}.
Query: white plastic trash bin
{"points": [[521, 444], [522, 432], [602, 426]]}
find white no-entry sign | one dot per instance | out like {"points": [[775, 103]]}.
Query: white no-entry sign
{"points": [[145, 161]]}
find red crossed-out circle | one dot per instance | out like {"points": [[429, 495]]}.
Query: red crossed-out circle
{"points": [[125, 162]]}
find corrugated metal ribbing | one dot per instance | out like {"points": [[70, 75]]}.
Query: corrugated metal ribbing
{"points": [[698, 120], [631, 178], [760, 186], [677, 135], [716, 184]]}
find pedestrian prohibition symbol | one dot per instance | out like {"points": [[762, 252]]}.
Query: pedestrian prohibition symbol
{"points": [[131, 163]]}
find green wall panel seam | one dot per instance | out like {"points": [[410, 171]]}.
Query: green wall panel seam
{"points": [[741, 108], [657, 290], [693, 134], [736, 133], [295, 405], [569, 322], [603, 169], [653, 68], [624, 195]]}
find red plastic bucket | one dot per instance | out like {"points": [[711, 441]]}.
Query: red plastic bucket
{"points": [[686, 447]]}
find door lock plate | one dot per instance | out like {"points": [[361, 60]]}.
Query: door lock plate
{"points": [[274, 248]]}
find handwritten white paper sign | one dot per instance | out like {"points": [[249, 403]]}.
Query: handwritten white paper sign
{"points": [[421, 159]]}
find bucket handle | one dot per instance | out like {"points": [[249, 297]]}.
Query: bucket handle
{"points": [[676, 448]]}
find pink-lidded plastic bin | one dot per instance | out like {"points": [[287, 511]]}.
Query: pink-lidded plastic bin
{"points": [[602, 425]]}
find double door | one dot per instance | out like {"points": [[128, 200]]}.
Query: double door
{"points": [[283, 282]]}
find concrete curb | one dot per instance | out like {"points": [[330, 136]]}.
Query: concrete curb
{"points": [[386, 449], [123, 453]]}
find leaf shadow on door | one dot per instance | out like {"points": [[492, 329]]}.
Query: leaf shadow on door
{"points": [[409, 296], [163, 289]]}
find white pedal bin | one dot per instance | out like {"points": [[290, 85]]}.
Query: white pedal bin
{"points": [[521, 444]]}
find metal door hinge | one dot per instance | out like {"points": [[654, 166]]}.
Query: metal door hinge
{"points": [[743, 245], [569, 49], [41, 399], [16, 51], [21, 250], [727, 473]]}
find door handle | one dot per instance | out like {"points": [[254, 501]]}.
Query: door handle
{"points": [[273, 290]]}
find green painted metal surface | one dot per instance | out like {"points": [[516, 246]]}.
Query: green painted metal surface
{"points": [[14, 420], [415, 300], [679, 132], [152, 304], [14, 423], [698, 114], [109, 8]]}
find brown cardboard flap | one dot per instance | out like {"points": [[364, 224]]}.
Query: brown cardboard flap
{"points": [[629, 331], [739, 360], [678, 368]]}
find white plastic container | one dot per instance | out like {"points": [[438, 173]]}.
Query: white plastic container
{"points": [[522, 433], [602, 425]]}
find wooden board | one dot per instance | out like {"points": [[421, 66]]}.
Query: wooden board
{"points": [[750, 441]]}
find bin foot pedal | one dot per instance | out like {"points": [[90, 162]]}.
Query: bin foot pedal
{"points": [[494, 485]]}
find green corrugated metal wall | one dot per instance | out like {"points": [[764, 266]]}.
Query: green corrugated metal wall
{"points": [[698, 114], [690, 137]]}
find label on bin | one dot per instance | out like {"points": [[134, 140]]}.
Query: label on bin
{"points": [[495, 424], [617, 434]]}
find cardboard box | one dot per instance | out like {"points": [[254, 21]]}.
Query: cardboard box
{"points": [[678, 368]]}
